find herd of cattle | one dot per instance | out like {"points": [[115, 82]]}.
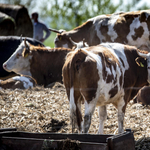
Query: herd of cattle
{"points": [[109, 66]]}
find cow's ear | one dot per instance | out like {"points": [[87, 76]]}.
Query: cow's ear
{"points": [[74, 47], [139, 61], [26, 45], [26, 51], [60, 37]]}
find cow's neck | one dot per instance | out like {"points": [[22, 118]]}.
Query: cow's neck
{"points": [[80, 33], [25, 72]]}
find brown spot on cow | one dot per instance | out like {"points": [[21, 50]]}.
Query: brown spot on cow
{"points": [[113, 91], [110, 62], [122, 27], [122, 62], [143, 16], [110, 78], [120, 80], [115, 80], [89, 88], [104, 30], [138, 33]]}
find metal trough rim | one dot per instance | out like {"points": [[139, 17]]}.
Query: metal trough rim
{"points": [[93, 138], [13, 131], [96, 141]]}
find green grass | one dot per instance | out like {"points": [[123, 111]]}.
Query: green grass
{"points": [[50, 40]]}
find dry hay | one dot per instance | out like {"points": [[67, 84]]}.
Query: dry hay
{"points": [[47, 110], [65, 144]]}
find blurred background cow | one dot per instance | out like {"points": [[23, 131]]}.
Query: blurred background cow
{"points": [[15, 20]]}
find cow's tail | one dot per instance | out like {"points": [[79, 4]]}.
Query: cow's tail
{"points": [[75, 114], [135, 99]]}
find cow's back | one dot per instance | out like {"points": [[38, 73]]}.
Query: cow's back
{"points": [[130, 28]]}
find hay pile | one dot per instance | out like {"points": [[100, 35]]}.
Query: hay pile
{"points": [[47, 110], [65, 144]]}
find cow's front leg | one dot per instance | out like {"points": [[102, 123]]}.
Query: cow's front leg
{"points": [[102, 118], [89, 109], [79, 116], [120, 121]]}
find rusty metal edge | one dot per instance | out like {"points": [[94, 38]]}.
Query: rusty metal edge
{"points": [[83, 145], [7, 129], [119, 137], [109, 140], [95, 138]]}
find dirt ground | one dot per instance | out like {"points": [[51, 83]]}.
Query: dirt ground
{"points": [[47, 110]]}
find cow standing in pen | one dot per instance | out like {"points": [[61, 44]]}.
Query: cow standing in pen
{"points": [[132, 28], [103, 74], [41, 63]]}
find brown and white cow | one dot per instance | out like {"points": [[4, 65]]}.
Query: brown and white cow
{"points": [[19, 82], [41, 63], [143, 96], [102, 74], [132, 28]]}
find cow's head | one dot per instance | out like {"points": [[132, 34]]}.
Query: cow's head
{"points": [[78, 45], [19, 61], [140, 63], [62, 39]]}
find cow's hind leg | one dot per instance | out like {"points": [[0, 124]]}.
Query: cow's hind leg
{"points": [[121, 106], [79, 116], [89, 109], [75, 110], [102, 118]]}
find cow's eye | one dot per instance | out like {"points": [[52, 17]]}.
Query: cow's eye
{"points": [[18, 55]]}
